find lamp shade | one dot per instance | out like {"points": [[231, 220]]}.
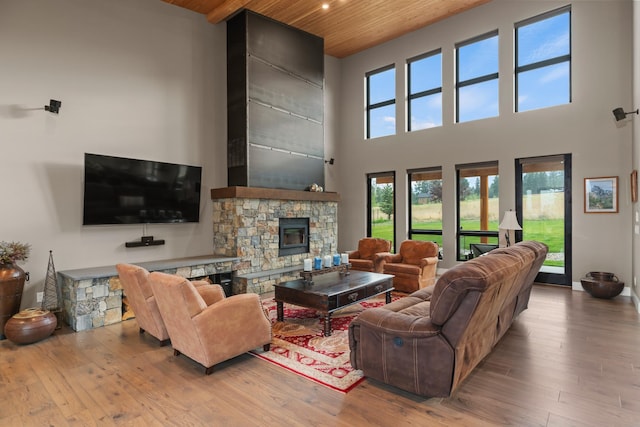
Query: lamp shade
{"points": [[510, 221]]}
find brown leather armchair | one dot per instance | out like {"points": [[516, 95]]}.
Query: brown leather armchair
{"points": [[134, 281], [365, 258], [414, 266], [209, 334]]}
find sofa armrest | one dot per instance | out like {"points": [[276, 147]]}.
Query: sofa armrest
{"points": [[389, 257], [241, 313], [211, 294], [380, 260], [200, 282], [236, 306], [403, 350], [428, 261], [230, 327], [399, 324], [353, 254]]}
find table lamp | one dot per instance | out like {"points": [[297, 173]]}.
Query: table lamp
{"points": [[509, 222]]}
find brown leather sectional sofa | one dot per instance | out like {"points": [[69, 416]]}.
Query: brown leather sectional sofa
{"points": [[428, 342]]}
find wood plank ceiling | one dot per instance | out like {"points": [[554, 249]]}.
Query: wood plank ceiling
{"points": [[347, 26]]}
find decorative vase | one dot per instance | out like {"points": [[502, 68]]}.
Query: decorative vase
{"points": [[12, 280], [602, 284], [602, 275], [30, 325]]}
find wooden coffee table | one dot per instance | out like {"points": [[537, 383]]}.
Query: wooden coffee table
{"points": [[330, 292]]}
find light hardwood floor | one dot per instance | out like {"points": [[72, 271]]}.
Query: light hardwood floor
{"points": [[569, 360]]}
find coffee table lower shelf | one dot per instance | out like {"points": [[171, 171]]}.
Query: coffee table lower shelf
{"points": [[332, 292]]}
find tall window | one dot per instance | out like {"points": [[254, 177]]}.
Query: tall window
{"points": [[381, 102], [543, 60], [381, 218], [543, 205], [425, 204], [424, 105], [478, 210], [477, 78]]}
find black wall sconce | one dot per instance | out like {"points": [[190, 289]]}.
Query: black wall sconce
{"points": [[330, 161], [620, 114], [54, 106]]}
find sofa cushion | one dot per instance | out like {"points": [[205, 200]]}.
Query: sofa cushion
{"points": [[402, 303], [391, 268], [476, 276], [361, 264], [424, 294], [421, 309]]}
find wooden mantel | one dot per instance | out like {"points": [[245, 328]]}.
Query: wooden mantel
{"points": [[272, 193]]}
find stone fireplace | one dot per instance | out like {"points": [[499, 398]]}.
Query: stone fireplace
{"points": [[246, 224]]}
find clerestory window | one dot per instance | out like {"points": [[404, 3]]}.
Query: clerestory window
{"points": [[381, 102], [424, 91], [477, 78], [543, 60]]}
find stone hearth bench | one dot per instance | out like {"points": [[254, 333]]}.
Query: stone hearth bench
{"points": [[261, 282], [92, 297]]}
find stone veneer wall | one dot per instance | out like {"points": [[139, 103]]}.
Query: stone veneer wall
{"points": [[248, 228]]}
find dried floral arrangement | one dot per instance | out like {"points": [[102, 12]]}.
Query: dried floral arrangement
{"points": [[12, 252]]}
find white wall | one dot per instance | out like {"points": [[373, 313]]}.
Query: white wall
{"points": [[332, 119], [141, 79], [636, 148], [601, 81]]}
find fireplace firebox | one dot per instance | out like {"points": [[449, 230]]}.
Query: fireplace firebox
{"points": [[294, 236]]}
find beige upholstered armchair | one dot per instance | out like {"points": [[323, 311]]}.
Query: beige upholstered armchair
{"points": [[209, 334], [365, 257], [414, 266], [134, 281]]}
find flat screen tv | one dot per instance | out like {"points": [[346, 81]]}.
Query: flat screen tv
{"points": [[119, 190]]}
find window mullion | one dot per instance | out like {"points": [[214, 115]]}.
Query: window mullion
{"points": [[381, 104], [425, 93], [477, 80], [542, 64]]}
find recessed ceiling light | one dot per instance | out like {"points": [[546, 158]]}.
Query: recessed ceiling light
{"points": [[325, 6]]}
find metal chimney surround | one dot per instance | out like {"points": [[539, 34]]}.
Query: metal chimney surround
{"points": [[275, 83]]}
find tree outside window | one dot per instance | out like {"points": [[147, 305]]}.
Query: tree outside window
{"points": [[425, 204], [381, 206], [478, 206]]}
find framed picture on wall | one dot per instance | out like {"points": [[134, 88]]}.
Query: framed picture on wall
{"points": [[601, 194]]}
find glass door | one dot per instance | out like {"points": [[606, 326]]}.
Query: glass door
{"points": [[543, 202], [381, 218]]}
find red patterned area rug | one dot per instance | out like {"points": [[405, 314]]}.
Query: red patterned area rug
{"points": [[300, 346]]}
